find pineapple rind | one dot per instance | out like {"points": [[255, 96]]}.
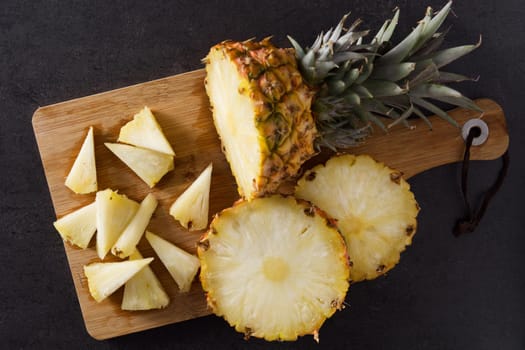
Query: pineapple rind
{"points": [[191, 208], [143, 291], [149, 165], [82, 177], [181, 265], [79, 226], [374, 208], [144, 131], [105, 278], [292, 236], [114, 212]]}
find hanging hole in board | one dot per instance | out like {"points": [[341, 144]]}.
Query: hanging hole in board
{"points": [[479, 128]]}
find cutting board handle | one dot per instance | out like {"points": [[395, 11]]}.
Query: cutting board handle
{"points": [[423, 148]]}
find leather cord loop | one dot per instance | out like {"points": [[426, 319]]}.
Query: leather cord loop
{"points": [[472, 218]]}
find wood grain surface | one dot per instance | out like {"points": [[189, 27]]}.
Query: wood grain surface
{"points": [[181, 107]]}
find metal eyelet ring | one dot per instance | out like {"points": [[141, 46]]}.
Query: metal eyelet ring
{"points": [[476, 123]]}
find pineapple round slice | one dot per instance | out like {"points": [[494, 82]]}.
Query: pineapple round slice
{"points": [[274, 268], [374, 208]]}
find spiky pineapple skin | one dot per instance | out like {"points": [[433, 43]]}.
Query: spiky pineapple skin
{"points": [[282, 116], [337, 275]]}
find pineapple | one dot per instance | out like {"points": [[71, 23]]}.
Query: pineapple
{"points": [[78, 227], [114, 212], [181, 265], [261, 110], [82, 177], [191, 207], [105, 278], [144, 131], [130, 237], [272, 110], [143, 291], [374, 208], [149, 165], [274, 268]]}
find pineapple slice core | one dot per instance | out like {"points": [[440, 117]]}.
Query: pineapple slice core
{"points": [[234, 117], [274, 268]]}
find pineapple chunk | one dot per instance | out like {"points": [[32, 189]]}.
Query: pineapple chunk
{"points": [[274, 268], [149, 165], [114, 212], [105, 278], [374, 208], [143, 291], [191, 207], [79, 226], [181, 265], [144, 131], [131, 235], [82, 177]]}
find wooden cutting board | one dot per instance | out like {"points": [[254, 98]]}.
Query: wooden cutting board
{"points": [[181, 107]]}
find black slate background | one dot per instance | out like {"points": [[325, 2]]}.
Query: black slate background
{"points": [[447, 292]]}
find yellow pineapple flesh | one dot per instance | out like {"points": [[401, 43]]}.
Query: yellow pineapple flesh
{"points": [[145, 132], [274, 267], [82, 177], [192, 206], [79, 226], [143, 291], [105, 278], [148, 164], [131, 235], [374, 208], [261, 110], [113, 213], [181, 265]]}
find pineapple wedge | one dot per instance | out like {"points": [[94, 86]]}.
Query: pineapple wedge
{"points": [[114, 212], [181, 265], [191, 207], [82, 177], [144, 131], [105, 278], [131, 235], [149, 165], [274, 268], [374, 208], [79, 226], [143, 291]]}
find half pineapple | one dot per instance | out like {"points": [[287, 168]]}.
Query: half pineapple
{"points": [[274, 267], [373, 205], [261, 110], [272, 107]]}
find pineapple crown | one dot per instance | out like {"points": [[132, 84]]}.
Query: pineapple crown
{"points": [[359, 84]]}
